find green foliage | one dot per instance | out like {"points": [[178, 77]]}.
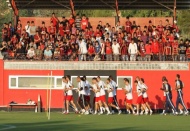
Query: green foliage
{"points": [[184, 22]]}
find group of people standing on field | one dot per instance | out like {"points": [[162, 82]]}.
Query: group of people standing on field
{"points": [[101, 105]]}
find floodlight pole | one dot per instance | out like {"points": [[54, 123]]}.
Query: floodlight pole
{"points": [[16, 12], [72, 8], [174, 11], [117, 12]]}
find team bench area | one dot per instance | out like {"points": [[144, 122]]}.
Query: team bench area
{"points": [[21, 105]]}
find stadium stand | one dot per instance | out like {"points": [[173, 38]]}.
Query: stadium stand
{"points": [[75, 39]]}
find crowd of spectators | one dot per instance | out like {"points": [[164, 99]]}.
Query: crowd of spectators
{"points": [[74, 39]]}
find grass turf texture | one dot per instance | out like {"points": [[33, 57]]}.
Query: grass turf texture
{"points": [[29, 121]]}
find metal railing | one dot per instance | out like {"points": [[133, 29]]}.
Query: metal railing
{"points": [[94, 65]]}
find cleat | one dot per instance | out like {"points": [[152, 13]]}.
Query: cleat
{"points": [[109, 113], [86, 113], [119, 112], [137, 114], [151, 112]]}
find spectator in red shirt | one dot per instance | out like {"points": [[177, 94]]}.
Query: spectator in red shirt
{"points": [[175, 50], [128, 25], [161, 50], [54, 19], [52, 29], [167, 50], [155, 49], [108, 50], [61, 29], [148, 51], [84, 22], [124, 52], [43, 28], [71, 20], [91, 52]]}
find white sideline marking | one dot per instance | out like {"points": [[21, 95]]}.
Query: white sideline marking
{"points": [[7, 127]]}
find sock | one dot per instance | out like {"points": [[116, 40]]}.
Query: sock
{"points": [[172, 110], [67, 111], [76, 109], [129, 111], [101, 109], [181, 110], [163, 111], [107, 109], [117, 108]]}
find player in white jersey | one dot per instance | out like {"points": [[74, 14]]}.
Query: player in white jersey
{"points": [[101, 84], [87, 95], [81, 90], [64, 82], [110, 91], [69, 96], [129, 96], [140, 101], [145, 96], [96, 90], [114, 85]]}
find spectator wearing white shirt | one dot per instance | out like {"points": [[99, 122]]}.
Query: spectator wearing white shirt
{"points": [[82, 50], [31, 53], [132, 51], [47, 54], [27, 27], [116, 50]]}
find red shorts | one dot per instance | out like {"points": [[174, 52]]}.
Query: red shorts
{"points": [[87, 98], [110, 100], [97, 99], [103, 98], [69, 98], [145, 100], [164, 98], [140, 100], [128, 101]]}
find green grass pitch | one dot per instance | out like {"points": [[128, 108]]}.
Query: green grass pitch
{"points": [[29, 121]]}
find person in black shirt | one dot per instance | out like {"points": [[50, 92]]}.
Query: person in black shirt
{"points": [[64, 21], [182, 50]]}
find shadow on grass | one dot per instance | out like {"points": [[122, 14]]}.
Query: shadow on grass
{"points": [[64, 126]]}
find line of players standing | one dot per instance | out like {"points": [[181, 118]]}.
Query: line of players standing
{"points": [[100, 105]]}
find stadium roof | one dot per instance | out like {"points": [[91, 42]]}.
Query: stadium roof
{"points": [[101, 4]]}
